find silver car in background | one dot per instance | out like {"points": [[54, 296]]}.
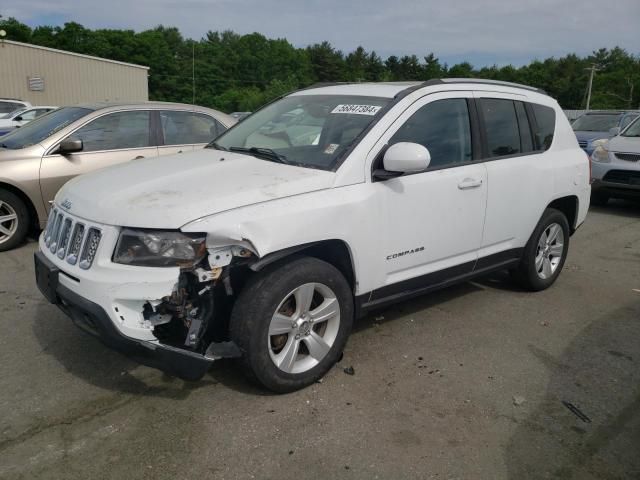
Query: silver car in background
{"points": [[40, 157], [615, 166]]}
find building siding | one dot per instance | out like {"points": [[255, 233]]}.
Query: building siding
{"points": [[68, 78]]}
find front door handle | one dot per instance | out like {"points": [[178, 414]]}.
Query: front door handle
{"points": [[468, 183], [139, 157]]}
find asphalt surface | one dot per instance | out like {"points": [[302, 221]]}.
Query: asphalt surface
{"points": [[466, 383]]}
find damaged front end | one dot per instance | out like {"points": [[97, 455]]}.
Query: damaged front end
{"points": [[195, 316]]}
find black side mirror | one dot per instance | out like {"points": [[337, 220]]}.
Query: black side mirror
{"points": [[70, 145], [18, 118]]}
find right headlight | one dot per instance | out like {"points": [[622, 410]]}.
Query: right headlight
{"points": [[601, 154], [158, 248]]}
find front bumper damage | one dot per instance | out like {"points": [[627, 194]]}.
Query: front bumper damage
{"points": [[92, 318]]}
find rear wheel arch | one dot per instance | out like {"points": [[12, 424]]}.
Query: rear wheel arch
{"points": [[569, 206]]}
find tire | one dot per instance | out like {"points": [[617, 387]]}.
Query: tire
{"points": [[599, 199], [533, 273], [267, 339], [14, 227]]}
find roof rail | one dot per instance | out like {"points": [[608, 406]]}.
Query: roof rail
{"points": [[322, 84], [440, 81]]}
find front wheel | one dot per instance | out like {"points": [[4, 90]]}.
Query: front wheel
{"points": [[14, 220], [545, 252], [291, 322]]}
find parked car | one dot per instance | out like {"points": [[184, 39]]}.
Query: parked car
{"points": [[616, 166], [8, 105], [265, 249], [596, 126], [37, 159], [21, 117]]}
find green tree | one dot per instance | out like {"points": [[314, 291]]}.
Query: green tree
{"points": [[242, 72], [326, 63], [16, 31]]}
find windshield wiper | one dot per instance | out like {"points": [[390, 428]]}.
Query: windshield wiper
{"points": [[263, 153]]}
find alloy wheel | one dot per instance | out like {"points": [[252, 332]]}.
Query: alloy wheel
{"points": [[8, 221], [303, 328], [549, 250]]}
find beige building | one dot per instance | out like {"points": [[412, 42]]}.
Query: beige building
{"points": [[45, 76]]}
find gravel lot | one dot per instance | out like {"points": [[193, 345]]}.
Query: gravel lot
{"points": [[466, 383]]}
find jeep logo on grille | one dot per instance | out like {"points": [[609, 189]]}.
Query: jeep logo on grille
{"points": [[66, 204]]}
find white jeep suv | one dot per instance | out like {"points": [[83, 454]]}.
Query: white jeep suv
{"points": [[319, 207]]}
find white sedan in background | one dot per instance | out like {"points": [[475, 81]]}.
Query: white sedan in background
{"points": [[21, 117]]}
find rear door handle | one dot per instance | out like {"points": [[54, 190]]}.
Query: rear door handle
{"points": [[468, 183], [139, 157]]}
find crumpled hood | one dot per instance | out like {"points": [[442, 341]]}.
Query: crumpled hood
{"points": [[624, 144], [171, 191]]}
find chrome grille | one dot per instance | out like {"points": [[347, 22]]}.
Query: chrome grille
{"points": [[65, 233], [90, 248], [50, 222], [55, 232], [71, 240], [76, 243]]}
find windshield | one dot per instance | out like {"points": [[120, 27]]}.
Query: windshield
{"points": [[305, 130], [43, 127], [595, 123], [633, 130]]}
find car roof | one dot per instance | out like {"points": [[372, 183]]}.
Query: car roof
{"points": [[366, 89], [168, 105], [392, 89], [221, 116]]}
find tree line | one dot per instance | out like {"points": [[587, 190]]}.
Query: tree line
{"points": [[233, 72]]}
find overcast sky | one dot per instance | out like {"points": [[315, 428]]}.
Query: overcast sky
{"points": [[483, 32]]}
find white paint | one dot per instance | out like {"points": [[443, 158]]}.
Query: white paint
{"points": [[457, 214]]}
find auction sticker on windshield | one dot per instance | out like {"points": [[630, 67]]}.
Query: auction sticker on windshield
{"points": [[357, 109]]}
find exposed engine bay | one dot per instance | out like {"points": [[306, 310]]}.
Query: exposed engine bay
{"points": [[195, 316]]}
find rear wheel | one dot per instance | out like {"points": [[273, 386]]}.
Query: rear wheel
{"points": [[14, 220], [545, 252], [291, 322]]}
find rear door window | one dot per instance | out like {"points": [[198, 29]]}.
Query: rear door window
{"points": [[501, 127], [526, 139], [184, 128]]}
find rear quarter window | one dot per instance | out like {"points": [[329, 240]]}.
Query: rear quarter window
{"points": [[545, 125]]}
